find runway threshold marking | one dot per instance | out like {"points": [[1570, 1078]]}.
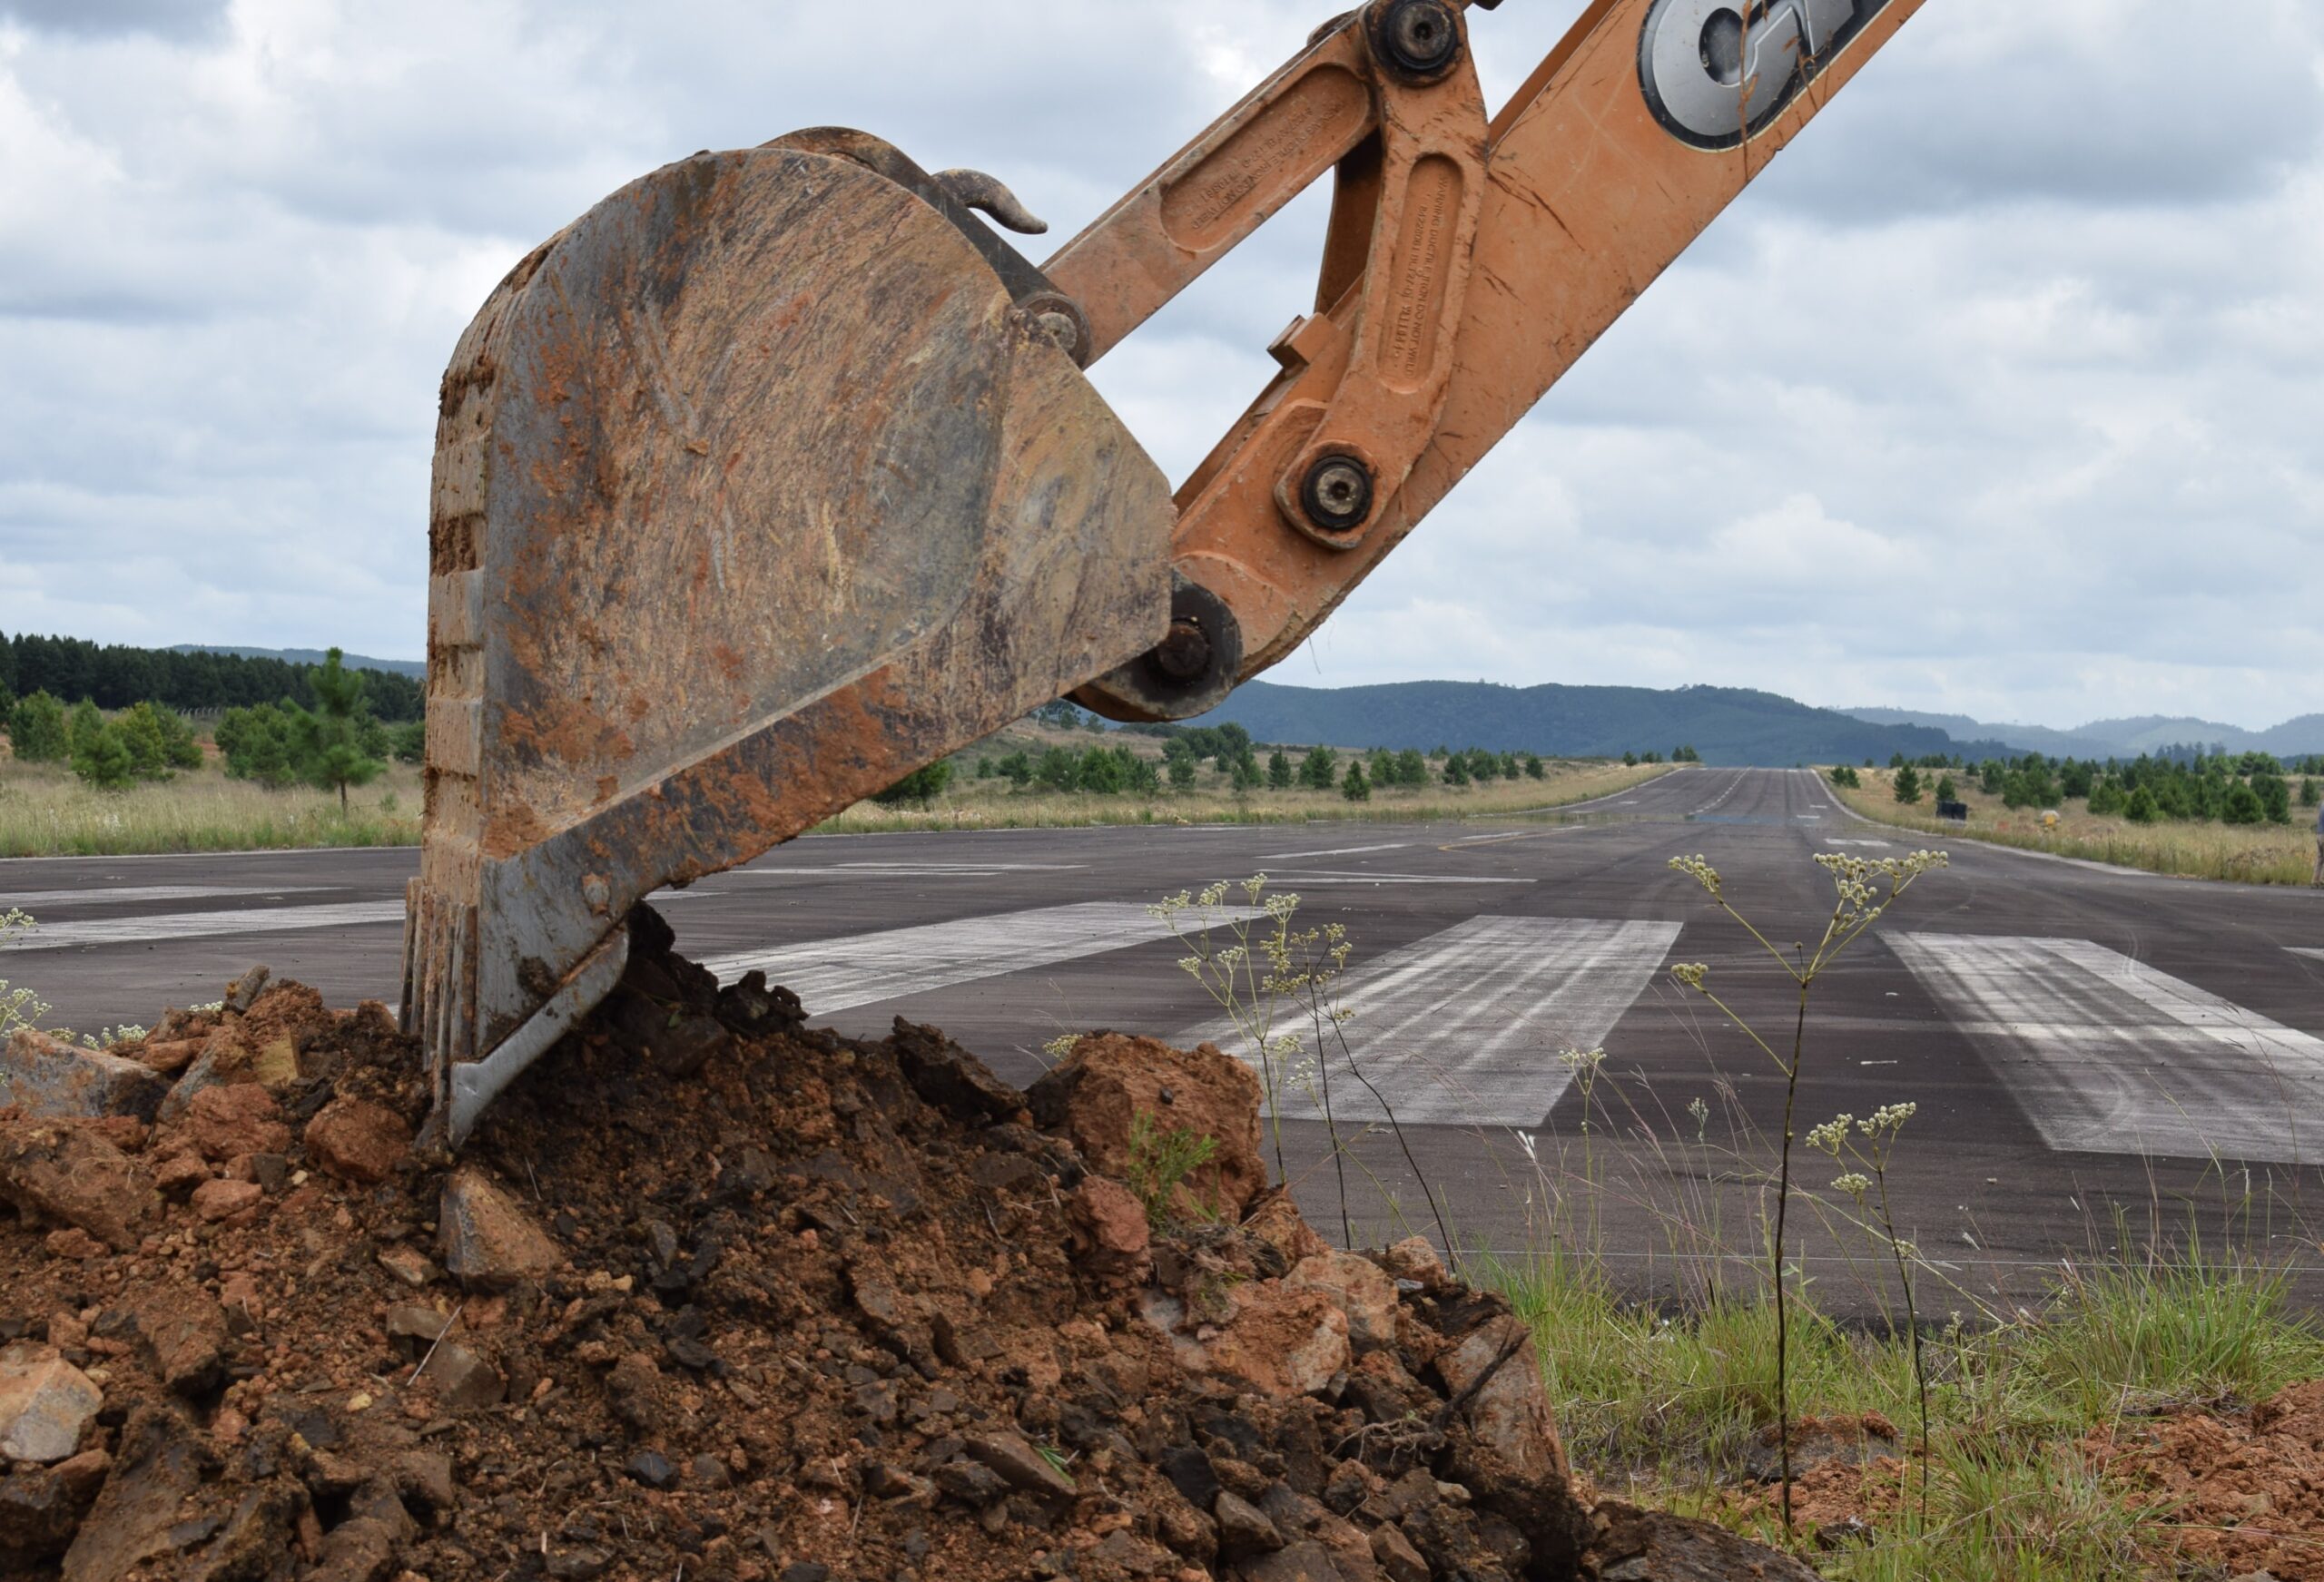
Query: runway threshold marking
{"points": [[121, 895], [94, 931], [859, 969], [2108, 1055], [1463, 1027]]}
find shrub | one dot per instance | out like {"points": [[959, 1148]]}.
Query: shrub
{"points": [[36, 730], [1844, 774], [1946, 791], [1059, 770], [1279, 771], [2242, 805], [1533, 770], [2106, 798], [101, 757], [2142, 808], [1456, 770], [1320, 768], [922, 785], [1355, 787], [257, 743], [1182, 768]]}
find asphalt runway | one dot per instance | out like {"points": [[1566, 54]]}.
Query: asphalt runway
{"points": [[2095, 1054]]}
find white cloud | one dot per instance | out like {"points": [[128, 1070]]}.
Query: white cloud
{"points": [[1997, 393]]}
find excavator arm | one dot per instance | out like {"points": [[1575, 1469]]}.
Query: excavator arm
{"points": [[776, 475]]}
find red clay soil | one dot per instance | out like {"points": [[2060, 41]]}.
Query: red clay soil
{"points": [[2245, 1490], [711, 1296]]}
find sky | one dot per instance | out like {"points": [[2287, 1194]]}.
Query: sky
{"points": [[2001, 393]]}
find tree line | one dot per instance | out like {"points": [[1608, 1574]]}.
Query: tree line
{"points": [[116, 675], [2228, 787]]}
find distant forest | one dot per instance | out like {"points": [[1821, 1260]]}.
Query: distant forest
{"points": [[116, 675]]}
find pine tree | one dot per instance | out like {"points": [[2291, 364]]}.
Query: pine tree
{"points": [[1279, 771], [100, 757], [1355, 787], [36, 731], [1908, 785], [1320, 768], [329, 741]]}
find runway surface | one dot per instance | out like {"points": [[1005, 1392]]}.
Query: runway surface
{"points": [[2081, 1042]]}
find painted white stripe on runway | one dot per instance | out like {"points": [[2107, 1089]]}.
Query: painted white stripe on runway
{"points": [[2108, 1055], [859, 969], [907, 869], [2306, 950], [1331, 851], [1363, 876], [203, 924], [1880, 845], [98, 895], [1463, 1027]]}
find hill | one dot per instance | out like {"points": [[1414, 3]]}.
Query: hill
{"points": [[2124, 738], [1729, 726], [417, 669]]}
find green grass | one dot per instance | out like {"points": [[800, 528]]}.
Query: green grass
{"points": [[45, 813], [1668, 1410], [2248, 853]]}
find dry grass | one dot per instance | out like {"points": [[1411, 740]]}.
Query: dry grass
{"points": [[45, 813], [2254, 854], [991, 804]]}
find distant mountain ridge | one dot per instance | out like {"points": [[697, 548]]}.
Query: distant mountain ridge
{"points": [[2127, 738], [415, 668], [1727, 725]]}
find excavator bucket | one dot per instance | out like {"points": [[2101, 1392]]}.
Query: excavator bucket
{"points": [[767, 481]]}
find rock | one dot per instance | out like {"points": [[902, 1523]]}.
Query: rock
{"points": [[236, 1118], [215, 1201], [1630, 1545], [1414, 1259], [652, 1469], [1304, 1561], [1097, 1093], [363, 1550], [1243, 1528], [1111, 1234], [1395, 1556], [357, 1140], [464, 1381], [1021, 1465], [1510, 1411], [488, 1242], [971, 1481], [45, 1402], [171, 1058], [1276, 1220], [633, 1389], [38, 1514], [72, 1242], [410, 1267], [1841, 1534], [423, 1481], [244, 992], [949, 1078], [412, 1328], [250, 1542], [1281, 1343], [48, 1078], [83, 1474], [1191, 1474], [184, 1332], [269, 1172], [708, 1471], [1818, 1440], [754, 1010], [178, 1173], [1359, 1287], [66, 1172], [158, 1466]]}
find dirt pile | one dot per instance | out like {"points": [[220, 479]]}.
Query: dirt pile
{"points": [[712, 1295], [2246, 1488]]}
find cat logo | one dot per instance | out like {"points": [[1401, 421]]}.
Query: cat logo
{"points": [[1717, 72]]}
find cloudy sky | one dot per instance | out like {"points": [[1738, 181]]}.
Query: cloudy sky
{"points": [[2002, 392]]}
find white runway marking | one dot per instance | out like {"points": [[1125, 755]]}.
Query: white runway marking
{"points": [[2306, 950], [98, 895], [203, 924], [859, 969], [1331, 851], [1881, 845], [1362, 876], [906, 869], [1463, 1027], [2108, 1055]]}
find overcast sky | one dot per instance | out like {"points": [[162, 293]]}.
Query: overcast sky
{"points": [[2002, 392]]}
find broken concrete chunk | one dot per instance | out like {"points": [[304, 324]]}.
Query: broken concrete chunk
{"points": [[65, 1172], [490, 1244], [47, 1078], [44, 1403]]}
